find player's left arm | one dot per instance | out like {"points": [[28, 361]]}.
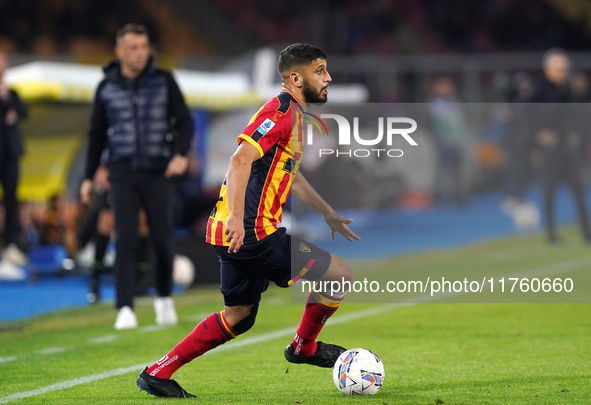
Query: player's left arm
{"points": [[304, 192]]}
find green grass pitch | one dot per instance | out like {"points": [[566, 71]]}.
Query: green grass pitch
{"points": [[436, 353]]}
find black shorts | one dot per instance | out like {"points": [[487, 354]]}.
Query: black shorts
{"points": [[245, 275]]}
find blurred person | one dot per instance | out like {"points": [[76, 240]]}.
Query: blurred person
{"points": [[579, 84], [518, 140], [243, 230], [12, 110], [557, 131], [449, 128], [581, 89], [98, 224], [140, 116], [51, 228]]}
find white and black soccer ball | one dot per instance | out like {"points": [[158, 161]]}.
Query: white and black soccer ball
{"points": [[358, 372], [183, 271], [526, 217]]}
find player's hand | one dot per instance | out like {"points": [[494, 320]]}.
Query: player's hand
{"points": [[234, 233], [86, 191], [177, 166], [338, 223]]}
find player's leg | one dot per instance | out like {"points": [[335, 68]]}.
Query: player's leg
{"points": [[241, 297], [288, 259], [320, 306], [213, 331]]}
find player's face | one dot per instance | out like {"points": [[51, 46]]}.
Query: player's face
{"points": [[134, 51], [316, 82]]}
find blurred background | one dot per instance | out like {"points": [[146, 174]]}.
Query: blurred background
{"points": [[223, 53]]}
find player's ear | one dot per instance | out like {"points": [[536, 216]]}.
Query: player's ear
{"points": [[297, 79]]}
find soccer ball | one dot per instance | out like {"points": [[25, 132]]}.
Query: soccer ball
{"points": [[183, 271], [526, 217], [358, 372]]}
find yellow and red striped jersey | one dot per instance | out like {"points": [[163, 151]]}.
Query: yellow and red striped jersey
{"points": [[276, 130]]}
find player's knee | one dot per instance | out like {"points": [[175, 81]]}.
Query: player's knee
{"points": [[248, 321], [345, 272], [348, 274]]}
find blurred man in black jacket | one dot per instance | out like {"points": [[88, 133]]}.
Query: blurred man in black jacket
{"points": [[140, 116], [11, 149], [559, 132]]}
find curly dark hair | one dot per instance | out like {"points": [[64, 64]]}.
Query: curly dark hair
{"points": [[298, 54]]}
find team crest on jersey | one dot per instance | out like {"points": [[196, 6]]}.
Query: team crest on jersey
{"points": [[266, 126], [304, 248]]}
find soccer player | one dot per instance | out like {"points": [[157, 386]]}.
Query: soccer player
{"points": [[243, 229]]}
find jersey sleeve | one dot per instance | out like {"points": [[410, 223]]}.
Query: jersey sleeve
{"points": [[266, 129]]}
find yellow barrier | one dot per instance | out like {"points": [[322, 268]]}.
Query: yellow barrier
{"points": [[45, 166], [55, 91]]}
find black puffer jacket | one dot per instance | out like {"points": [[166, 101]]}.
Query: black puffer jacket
{"points": [[142, 122]]}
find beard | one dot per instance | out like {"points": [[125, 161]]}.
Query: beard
{"points": [[313, 96]]}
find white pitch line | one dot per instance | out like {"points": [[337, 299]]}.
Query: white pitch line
{"points": [[198, 317], [230, 345], [72, 383], [291, 330], [53, 350], [153, 328], [102, 339], [7, 359], [546, 270]]}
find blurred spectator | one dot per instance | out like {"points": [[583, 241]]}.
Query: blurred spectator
{"points": [[51, 228], [98, 224], [12, 110], [558, 133], [579, 84], [450, 131], [518, 140], [410, 26], [49, 26]]}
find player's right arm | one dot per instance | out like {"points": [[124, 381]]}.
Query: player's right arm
{"points": [[236, 182]]}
